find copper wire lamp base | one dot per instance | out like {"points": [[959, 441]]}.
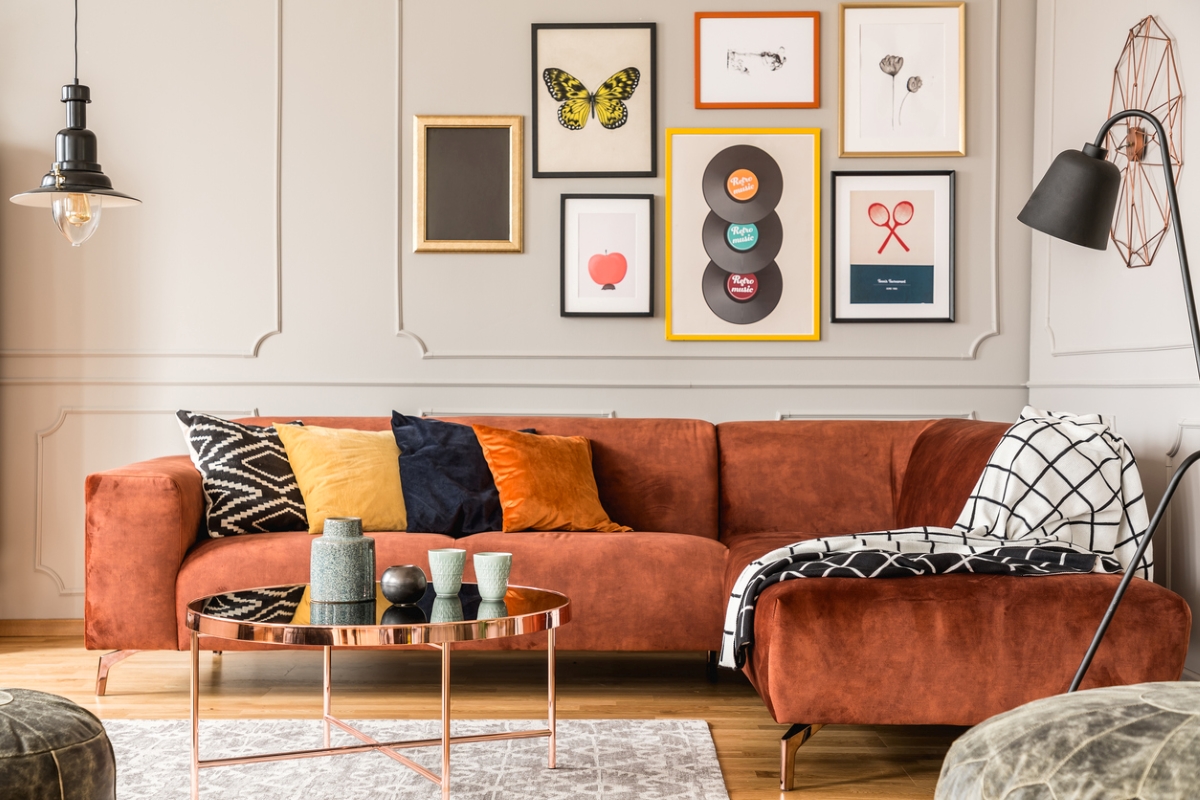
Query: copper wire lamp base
{"points": [[388, 749]]}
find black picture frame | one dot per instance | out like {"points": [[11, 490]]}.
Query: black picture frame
{"points": [[540, 95], [564, 199], [837, 273]]}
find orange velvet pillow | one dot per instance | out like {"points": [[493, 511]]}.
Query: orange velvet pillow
{"points": [[546, 482]]}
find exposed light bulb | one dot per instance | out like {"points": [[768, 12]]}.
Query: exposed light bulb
{"points": [[77, 216]]}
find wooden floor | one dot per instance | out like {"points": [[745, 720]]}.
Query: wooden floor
{"points": [[839, 762]]}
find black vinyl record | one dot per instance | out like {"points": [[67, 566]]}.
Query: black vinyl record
{"points": [[729, 258], [753, 160], [742, 312]]}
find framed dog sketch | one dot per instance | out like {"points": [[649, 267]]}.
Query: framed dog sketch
{"points": [[594, 110], [758, 59], [902, 83], [743, 233], [893, 246], [607, 255]]}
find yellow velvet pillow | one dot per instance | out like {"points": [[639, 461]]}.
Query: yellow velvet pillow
{"points": [[346, 473], [546, 482]]}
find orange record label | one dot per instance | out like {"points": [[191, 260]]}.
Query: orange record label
{"points": [[742, 184]]}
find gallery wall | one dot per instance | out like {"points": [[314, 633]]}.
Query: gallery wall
{"points": [[1105, 338], [270, 268]]}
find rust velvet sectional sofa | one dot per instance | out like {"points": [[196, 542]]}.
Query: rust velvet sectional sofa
{"points": [[704, 500]]}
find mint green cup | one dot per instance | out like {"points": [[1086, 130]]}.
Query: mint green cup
{"points": [[491, 573], [446, 570]]}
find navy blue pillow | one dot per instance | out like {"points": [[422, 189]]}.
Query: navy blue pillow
{"points": [[447, 485]]}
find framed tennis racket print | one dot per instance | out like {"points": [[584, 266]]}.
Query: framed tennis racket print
{"points": [[893, 246], [594, 100]]}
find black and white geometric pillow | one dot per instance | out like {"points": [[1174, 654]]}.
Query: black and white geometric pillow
{"points": [[249, 486]]}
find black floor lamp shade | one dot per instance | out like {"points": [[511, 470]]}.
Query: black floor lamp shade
{"points": [[1076, 198]]}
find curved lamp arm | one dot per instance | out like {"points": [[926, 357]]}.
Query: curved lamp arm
{"points": [[1190, 300]]}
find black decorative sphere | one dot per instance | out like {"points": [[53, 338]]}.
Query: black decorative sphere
{"points": [[403, 615], [404, 584]]}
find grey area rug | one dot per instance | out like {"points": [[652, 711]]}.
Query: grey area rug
{"points": [[651, 759]]}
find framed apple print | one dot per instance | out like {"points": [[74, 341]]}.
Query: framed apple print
{"points": [[607, 258], [893, 246], [902, 83], [594, 100]]}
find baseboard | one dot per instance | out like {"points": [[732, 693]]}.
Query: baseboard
{"points": [[41, 627]]}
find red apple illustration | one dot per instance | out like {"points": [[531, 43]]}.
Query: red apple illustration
{"points": [[607, 269]]}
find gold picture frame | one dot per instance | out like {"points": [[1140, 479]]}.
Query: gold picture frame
{"points": [[858, 116], [468, 184]]}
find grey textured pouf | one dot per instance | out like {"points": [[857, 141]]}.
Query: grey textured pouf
{"points": [[51, 749], [1122, 742]]}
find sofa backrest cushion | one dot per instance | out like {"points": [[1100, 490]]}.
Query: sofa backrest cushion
{"points": [[820, 477], [946, 462], [652, 474]]}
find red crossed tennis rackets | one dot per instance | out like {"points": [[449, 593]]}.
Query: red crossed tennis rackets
{"points": [[902, 214]]}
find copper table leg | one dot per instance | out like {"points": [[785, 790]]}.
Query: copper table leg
{"points": [[446, 721], [195, 698], [326, 686], [552, 716]]}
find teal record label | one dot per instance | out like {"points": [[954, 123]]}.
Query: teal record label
{"points": [[742, 237]]}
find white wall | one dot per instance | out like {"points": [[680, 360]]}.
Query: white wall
{"points": [[271, 269], [1105, 338]]}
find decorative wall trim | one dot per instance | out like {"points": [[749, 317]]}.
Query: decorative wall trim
{"points": [[883, 415], [1182, 427], [493, 384], [478, 413], [276, 221], [1049, 146], [1182, 384], [41, 436], [972, 349]]}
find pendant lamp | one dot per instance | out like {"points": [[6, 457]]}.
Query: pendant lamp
{"points": [[75, 189]]}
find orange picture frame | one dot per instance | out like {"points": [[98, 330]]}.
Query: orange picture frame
{"points": [[815, 16]]}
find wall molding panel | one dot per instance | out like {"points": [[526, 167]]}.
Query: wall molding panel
{"points": [[56, 561], [881, 415], [277, 266]]}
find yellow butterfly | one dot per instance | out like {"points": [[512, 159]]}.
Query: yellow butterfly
{"points": [[578, 103]]}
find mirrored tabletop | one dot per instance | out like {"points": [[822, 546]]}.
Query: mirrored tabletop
{"points": [[287, 615]]}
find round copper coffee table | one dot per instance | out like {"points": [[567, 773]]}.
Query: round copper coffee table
{"points": [[284, 615]]}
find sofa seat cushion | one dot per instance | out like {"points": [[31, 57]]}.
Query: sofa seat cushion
{"points": [[629, 591], [747, 547], [274, 559], [952, 649]]}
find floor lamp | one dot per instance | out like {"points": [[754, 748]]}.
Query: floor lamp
{"points": [[1075, 202]]}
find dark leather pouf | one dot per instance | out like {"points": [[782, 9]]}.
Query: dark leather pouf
{"points": [[51, 749], [1139, 741]]}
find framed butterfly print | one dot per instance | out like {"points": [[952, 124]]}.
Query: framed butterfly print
{"points": [[594, 100]]}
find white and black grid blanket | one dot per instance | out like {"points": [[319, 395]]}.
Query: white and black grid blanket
{"points": [[1060, 493]]}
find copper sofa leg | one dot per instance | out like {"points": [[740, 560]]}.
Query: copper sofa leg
{"points": [[797, 735], [107, 662]]}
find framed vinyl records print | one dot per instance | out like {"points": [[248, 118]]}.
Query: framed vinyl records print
{"points": [[902, 82], [893, 246], [743, 233], [607, 255], [594, 100], [758, 59]]}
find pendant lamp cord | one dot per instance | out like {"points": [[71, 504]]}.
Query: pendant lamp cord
{"points": [[76, 42]]}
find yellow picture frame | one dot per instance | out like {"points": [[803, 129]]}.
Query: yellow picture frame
{"points": [[814, 333]]}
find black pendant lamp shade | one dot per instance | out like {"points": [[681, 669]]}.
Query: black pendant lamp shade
{"points": [[1076, 198], [75, 169]]}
